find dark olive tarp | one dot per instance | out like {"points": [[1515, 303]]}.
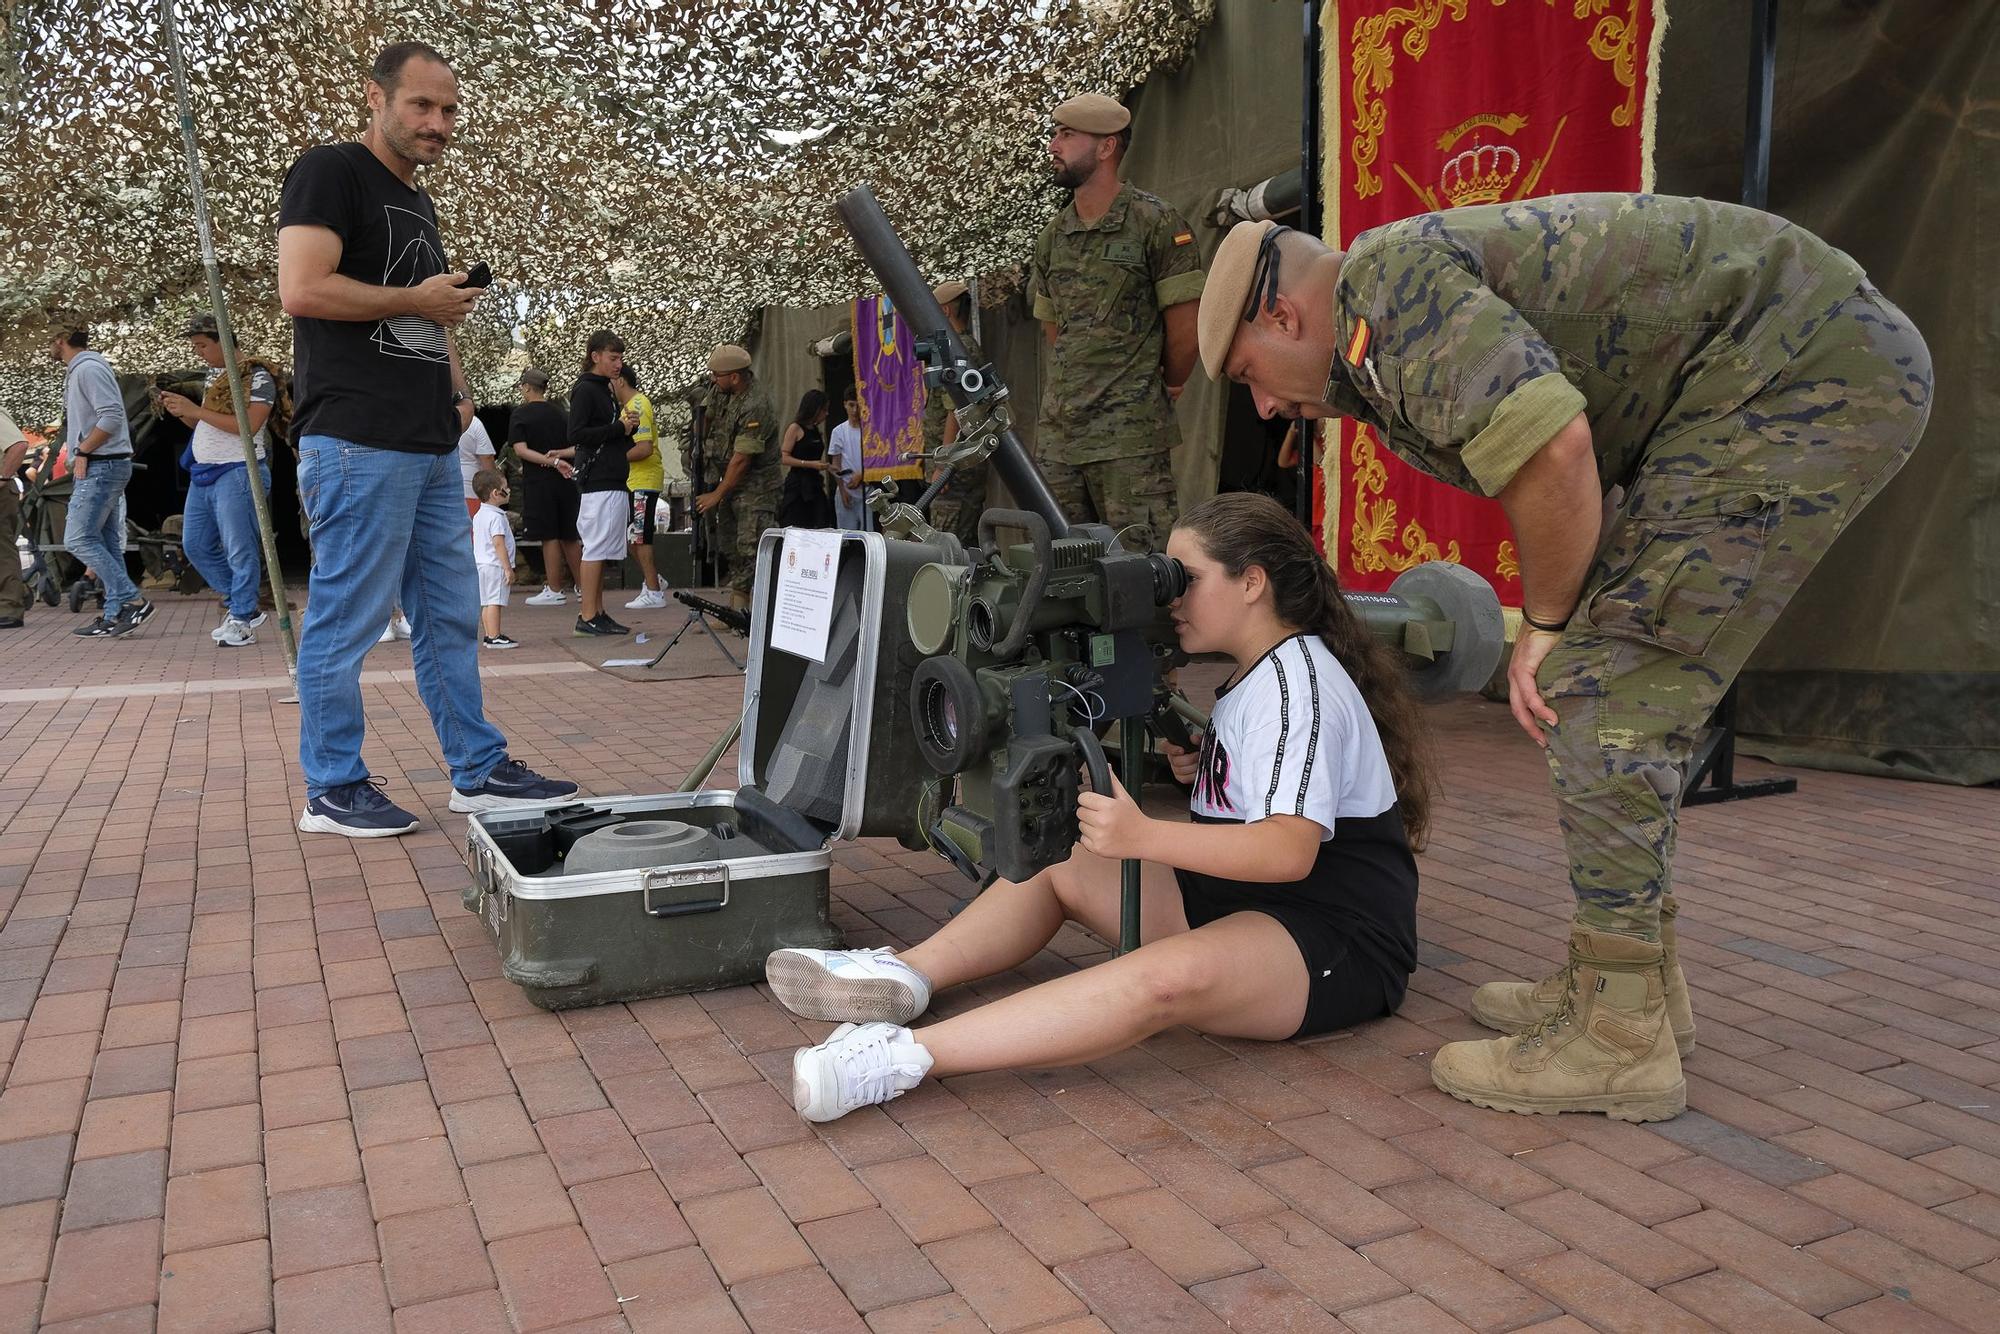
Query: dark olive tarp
{"points": [[1886, 117]]}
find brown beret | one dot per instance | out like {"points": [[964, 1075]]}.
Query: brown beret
{"points": [[1093, 113], [946, 293], [1227, 292], [728, 357]]}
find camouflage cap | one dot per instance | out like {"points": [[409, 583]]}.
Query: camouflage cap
{"points": [[1093, 113], [535, 378], [202, 325], [946, 293], [1226, 293], [728, 357]]}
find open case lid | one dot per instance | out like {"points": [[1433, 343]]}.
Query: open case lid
{"points": [[805, 723], [810, 727]]}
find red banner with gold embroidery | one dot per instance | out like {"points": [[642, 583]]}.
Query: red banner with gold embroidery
{"points": [[1431, 104]]}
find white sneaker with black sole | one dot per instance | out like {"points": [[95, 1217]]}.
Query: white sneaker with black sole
{"points": [[859, 1065], [234, 634], [248, 623], [862, 986]]}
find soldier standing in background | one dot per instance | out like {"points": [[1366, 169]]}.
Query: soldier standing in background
{"points": [[1114, 280], [740, 464], [1748, 389], [957, 508]]}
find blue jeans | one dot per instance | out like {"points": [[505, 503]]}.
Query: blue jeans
{"points": [[219, 534], [94, 529], [388, 529]]}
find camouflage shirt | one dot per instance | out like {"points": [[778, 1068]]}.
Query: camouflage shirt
{"points": [[1103, 285], [1470, 337], [746, 424], [937, 402]]}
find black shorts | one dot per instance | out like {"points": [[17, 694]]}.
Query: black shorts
{"points": [[1347, 985], [548, 510]]}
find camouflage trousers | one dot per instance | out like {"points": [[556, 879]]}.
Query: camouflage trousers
{"points": [[749, 527], [13, 592], [958, 507], [1725, 520], [1117, 492]]}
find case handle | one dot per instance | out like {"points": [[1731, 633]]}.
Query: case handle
{"points": [[668, 877]]}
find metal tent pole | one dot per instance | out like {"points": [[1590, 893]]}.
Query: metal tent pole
{"points": [[1309, 204], [226, 335]]}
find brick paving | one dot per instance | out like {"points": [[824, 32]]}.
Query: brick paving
{"points": [[253, 1080]]}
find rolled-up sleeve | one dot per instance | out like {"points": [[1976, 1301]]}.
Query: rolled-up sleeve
{"points": [[107, 405]]}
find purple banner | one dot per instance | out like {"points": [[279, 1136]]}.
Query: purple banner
{"points": [[892, 391]]}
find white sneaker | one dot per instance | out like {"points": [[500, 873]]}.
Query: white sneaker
{"points": [[235, 634], [859, 985], [548, 597], [388, 635], [858, 1065], [399, 626], [227, 620], [648, 599]]}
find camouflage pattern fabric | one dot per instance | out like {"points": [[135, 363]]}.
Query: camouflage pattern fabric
{"points": [[745, 424], [1120, 493], [1744, 384], [1103, 285], [1719, 529], [957, 508]]}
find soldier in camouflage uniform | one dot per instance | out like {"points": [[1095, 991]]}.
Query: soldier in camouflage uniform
{"points": [[742, 450], [1114, 280], [957, 508], [1744, 386]]}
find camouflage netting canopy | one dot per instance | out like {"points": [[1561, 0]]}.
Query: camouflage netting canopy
{"points": [[661, 167]]}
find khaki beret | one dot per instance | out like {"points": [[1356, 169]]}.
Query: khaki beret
{"points": [[946, 293], [1093, 113], [1227, 292], [728, 357]]}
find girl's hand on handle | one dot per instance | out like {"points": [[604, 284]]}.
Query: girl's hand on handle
{"points": [[1184, 763], [1112, 825]]}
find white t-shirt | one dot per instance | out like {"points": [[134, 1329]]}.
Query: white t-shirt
{"points": [[212, 444], [489, 523], [475, 451], [1293, 737]]}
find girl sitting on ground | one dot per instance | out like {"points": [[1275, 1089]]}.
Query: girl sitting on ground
{"points": [[1286, 908]]}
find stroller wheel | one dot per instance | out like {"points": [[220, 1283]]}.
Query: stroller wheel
{"points": [[76, 592], [51, 595]]}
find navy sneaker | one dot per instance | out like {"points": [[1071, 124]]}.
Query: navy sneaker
{"points": [[101, 628], [356, 810], [511, 784]]}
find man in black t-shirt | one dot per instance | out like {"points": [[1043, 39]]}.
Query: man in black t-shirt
{"points": [[540, 437], [381, 403]]}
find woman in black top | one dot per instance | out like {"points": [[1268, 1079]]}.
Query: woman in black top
{"points": [[804, 502]]}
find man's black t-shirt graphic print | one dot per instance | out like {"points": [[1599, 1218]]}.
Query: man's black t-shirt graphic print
{"points": [[384, 383]]}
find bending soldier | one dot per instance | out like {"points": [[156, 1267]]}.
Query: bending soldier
{"points": [[1748, 389]]}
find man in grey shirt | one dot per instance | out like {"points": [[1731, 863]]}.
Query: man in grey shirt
{"points": [[98, 442]]}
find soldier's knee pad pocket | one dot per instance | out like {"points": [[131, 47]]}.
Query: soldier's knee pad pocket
{"points": [[1682, 557]]}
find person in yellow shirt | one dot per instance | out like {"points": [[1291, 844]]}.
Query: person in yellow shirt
{"points": [[645, 480]]}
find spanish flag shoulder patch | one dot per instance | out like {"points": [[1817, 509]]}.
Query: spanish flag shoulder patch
{"points": [[1183, 238], [1357, 344]]}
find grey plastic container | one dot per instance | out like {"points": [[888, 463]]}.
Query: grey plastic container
{"points": [[574, 940]]}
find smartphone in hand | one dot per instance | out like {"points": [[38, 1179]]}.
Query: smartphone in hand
{"points": [[479, 275]]}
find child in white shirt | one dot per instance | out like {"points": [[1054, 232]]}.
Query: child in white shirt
{"points": [[493, 550]]}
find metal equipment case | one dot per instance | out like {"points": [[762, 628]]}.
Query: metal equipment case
{"points": [[573, 940]]}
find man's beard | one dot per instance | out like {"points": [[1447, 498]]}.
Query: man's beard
{"points": [[413, 147], [1070, 175]]}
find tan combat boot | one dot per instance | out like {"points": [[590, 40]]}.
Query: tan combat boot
{"points": [[1606, 1047], [1516, 1007]]}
